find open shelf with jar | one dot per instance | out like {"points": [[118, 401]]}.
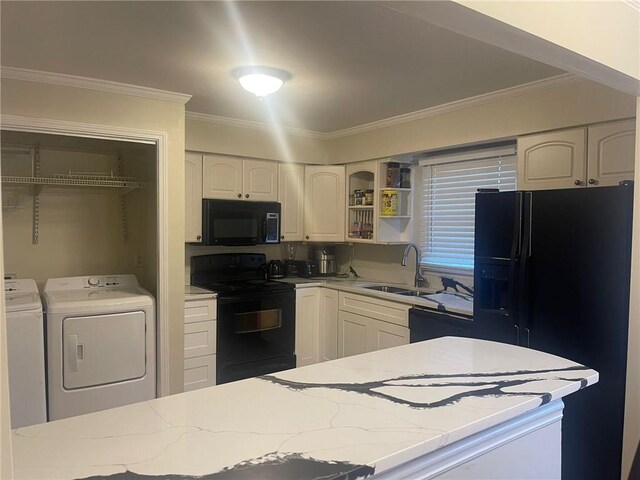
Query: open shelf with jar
{"points": [[361, 209], [395, 197]]}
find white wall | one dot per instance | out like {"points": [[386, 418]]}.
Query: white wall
{"points": [[203, 136], [81, 226]]}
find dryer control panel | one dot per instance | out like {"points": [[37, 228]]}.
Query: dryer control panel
{"points": [[93, 281]]}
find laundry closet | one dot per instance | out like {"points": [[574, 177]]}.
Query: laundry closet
{"points": [[80, 220]]}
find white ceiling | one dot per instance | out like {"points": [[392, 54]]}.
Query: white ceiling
{"points": [[351, 62]]}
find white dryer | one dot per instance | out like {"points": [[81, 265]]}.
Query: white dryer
{"points": [[25, 348], [100, 343]]}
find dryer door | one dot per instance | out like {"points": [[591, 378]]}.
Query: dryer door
{"points": [[103, 349]]}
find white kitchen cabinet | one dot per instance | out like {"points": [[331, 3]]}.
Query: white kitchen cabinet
{"points": [[193, 197], [234, 178], [600, 155], [291, 198], [199, 342], [354, 332], [611, 153], [324, 194], [552, 160], [307, 326], [367, 324], [328, 303], [260, 180], [387, 335], [222, 177]]}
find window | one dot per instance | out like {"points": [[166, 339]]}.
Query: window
{"points": [[450, 183]]}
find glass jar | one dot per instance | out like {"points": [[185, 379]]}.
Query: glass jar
{"points": [[393, 175], [359, 197], [405, 177], [368, 197]]}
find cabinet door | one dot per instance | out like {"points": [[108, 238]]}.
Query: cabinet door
{"points": [[387, 335], [291, 197], [193, 197], [222, 177], [354, 332], [611, 153], [307, 341], [199, 372], [552, 160], [328, 324], [260, 180], [324, 193]]}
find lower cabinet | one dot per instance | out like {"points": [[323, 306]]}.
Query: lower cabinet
{"points": [[362, 332], [307, 326], [199, 343], [328, 300]]}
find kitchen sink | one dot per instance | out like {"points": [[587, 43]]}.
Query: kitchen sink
{"points": [[389, 289]]}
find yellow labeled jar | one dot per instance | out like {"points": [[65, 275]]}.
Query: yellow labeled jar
{"points": [[389, 204]]}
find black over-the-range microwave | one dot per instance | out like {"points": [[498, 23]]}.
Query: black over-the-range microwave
{"points": [[240, 222]]}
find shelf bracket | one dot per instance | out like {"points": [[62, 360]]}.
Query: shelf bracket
{"points": [[123, 205], [36, 195]]}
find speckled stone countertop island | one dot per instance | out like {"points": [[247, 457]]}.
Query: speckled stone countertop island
{"points": [[348, 418]]}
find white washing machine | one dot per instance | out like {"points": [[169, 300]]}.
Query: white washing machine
{"points": [[25, 348], [100, 343]]}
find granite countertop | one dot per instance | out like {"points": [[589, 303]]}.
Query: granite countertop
{"points": [[358, 416]]}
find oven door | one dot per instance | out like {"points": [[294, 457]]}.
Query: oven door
{"points": [[256, 335]]}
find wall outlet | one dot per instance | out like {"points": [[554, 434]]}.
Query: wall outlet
{"points": [[138, 260]]}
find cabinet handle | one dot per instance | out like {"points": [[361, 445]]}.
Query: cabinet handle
{"points": [[199, 237], [593, 181], [307, 237], [577, 182], [239, 195], [281, 237], [246, 195]]}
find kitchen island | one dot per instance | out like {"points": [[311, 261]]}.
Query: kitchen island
{"points": [[451, 406]]}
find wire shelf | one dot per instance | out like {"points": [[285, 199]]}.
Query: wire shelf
{"points": [[76, 180]]}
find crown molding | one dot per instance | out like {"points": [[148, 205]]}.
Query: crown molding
{"points": [[235, 122], [485, 98], [92, 84], [505, 94]]}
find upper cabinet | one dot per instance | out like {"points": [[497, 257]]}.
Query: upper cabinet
{"points": [[291, 197], [234, 178], [324, 194], [600, 155], [611, 153], [193, 197], [552, 160]]}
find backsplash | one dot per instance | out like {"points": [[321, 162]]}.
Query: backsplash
{"points": [[273, 252], [382, 263]]}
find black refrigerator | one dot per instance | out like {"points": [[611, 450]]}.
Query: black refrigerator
{"points": [[552, 273]]}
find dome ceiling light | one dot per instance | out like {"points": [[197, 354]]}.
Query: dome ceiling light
{"points": [[261, 81]]}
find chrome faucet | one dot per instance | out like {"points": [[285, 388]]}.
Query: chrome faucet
{"points": [[419, 279]]}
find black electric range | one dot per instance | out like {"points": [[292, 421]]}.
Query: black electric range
{"points": [[255, 318]]}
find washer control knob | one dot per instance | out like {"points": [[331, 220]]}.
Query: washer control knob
{"points": [[93, 281]]}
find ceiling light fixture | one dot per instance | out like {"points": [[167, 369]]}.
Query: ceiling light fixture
{"points": [[261, 81]]}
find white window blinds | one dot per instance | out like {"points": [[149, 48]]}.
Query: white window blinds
{"points": [[448, 201]]}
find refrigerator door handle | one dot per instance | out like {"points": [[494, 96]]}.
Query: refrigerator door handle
{"points": [[528, 222], [516, 250], [528, 336], [517, 334]]}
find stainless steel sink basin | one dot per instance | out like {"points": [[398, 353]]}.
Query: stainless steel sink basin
{"points": [[388, 289], [411, 293]]}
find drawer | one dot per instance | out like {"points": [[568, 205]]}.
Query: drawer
{"points": [[199, 372], [397, 313], [199, 310], [199, 339]]}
